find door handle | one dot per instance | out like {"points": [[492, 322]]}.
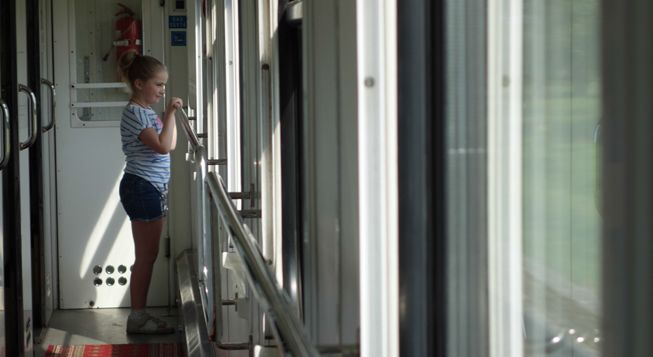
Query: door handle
{"points": [[53, 103], [32, 121], [6, 131]]}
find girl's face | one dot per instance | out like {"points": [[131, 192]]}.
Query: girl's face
{"points": [[151, 91]]}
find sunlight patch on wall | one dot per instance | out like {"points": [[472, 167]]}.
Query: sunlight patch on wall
{"points": [[110, 209]]}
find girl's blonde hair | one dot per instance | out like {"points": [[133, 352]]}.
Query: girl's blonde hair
{"points": [[133, 66]]}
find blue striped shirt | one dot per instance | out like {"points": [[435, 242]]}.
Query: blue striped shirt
{"points": [[141, 159]]}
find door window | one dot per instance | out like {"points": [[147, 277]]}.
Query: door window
{"points": [[103, 31]]}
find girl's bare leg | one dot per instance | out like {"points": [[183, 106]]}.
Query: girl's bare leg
{"points": [[146, 241]]}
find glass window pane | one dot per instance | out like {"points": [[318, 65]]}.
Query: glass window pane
{"points": [[561, 242]]}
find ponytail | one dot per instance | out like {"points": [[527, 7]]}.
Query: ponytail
{"points": [[133, 66], [124, 63]]}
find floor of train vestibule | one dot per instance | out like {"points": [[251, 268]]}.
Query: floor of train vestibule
{"points": [[100, 326]]}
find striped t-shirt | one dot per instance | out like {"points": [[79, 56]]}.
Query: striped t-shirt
{"points": [[141, 159]]}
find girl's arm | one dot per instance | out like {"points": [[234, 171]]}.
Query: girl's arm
{"points": [[166, 141]]}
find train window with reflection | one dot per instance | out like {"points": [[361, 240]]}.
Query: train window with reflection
{"points": [[560, 198]]}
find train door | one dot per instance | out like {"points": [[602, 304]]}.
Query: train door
{"points": [[21, 173], [46, 292], [9, 182], [95, 242], [30, 163]]}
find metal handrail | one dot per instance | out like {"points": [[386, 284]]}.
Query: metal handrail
{"points": [[265, 287], [190, 133], [32, 121], [5, 135], [53, 103]]}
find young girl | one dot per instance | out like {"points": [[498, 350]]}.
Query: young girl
{"points": [[146, 142]]}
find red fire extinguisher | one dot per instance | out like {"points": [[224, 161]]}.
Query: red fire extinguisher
{"points": [[127, 33]]}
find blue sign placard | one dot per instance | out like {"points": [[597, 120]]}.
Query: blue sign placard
{"points": [[177, 22], [178, 38]]}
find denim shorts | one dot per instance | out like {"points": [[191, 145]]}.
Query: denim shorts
{"points": [[141, 200]]}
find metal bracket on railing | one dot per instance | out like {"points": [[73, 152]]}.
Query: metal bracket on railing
{"points": [[212, 162], [228, 302], [346, 350], [240, 195], [234, 346], [266, 350], [250, 213], [245, 196], [237, 346], [202, 135]]}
